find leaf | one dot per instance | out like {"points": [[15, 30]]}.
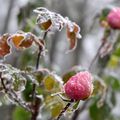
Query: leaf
{"points": [[104, 13], [27, 93], [68, 75], [27, 42], [56, 109], [17, 39], [114, 82], [76, 105], [49, 82], [45, 25], [39, 76], [113, 62], [4, 47], [72, 35], [101, 113], [19, 82], [72, 72], [20, 114]]}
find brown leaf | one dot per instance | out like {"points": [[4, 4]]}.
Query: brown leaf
{"points": [[4, 47], [17, 39], [27, 42], [45, 25], [72, 35], [22, 40]]}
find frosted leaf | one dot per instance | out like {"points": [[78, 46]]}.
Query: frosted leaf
{"points": [[13, 79], [51, 21], [18, 83], [44, 15], [71, 26], [58, 79]]}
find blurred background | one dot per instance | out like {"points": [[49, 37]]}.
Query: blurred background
{"points": [[18, 15]]}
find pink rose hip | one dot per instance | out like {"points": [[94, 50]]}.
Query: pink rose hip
{"points": [[113, 18], [79, 86]]}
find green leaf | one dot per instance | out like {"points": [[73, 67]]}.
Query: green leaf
{"points": [[71, 73], [68, 75], [20, 114], [39, 76], [28, 91], [117, 51], [113, 82], [75, 106], [49, 82], [104, 13], [101, 113], [114, 61], [113, 98]]}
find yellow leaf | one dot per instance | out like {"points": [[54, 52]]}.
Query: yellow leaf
{"points": [[49, 82]]}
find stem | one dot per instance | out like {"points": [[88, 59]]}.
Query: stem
{"points": [[64, 110], [35, 104], [2, 82]]}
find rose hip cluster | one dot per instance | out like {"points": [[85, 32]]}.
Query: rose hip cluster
{"points": [[113, 18], [79, 86]]}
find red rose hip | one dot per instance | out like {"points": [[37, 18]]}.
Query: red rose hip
{"points": [[79, 86], [113, 18]]}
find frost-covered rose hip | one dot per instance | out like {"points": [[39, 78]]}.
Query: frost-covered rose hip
{"points": [[79, 86], [113, 18]]}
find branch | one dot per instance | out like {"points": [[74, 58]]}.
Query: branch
{"points": [[64, 110], [35, 104]]}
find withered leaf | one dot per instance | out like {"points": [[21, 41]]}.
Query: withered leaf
{"points": [[28, 40], [4, 47], [45, 25], [17, 39], [73, 35]]}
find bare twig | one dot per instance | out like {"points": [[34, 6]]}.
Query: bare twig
{"points": [[35, 104]]}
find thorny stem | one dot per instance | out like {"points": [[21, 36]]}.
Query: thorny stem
{"points": [[35, 105], [64, 110]]}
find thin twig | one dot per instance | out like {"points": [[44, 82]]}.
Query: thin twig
{"points": [[64, 110]]}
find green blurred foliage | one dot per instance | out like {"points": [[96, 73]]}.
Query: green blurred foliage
{"points": [[20, 114]]}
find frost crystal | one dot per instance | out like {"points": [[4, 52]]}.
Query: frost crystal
{"points": [[51, 21], [57, 21]]}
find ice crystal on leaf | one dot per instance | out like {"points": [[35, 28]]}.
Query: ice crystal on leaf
{"points": [[19, 40], [51, 21], [13, 79]]}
